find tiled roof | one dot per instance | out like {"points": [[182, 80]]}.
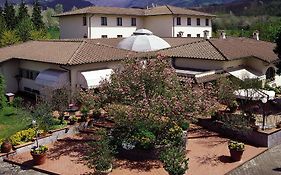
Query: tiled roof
{"points": [[65, 52], [160, 10], [224, 49], [199, 50]]}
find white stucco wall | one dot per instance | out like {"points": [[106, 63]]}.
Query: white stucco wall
{"points": [[161, 26], [9, 70], [192, 29], [112, 30], [72, 27]]}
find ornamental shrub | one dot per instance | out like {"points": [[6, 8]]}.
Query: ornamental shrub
{"points": [[144, 139], [22, 137]]}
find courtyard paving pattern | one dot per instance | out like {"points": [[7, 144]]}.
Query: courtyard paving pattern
{"points": [[268, 163]]}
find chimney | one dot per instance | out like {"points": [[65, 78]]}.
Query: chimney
{"points": [[256, 35], [222, 35], [206, 34]]}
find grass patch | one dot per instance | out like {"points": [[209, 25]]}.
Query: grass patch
{"points": [[13, 120]]}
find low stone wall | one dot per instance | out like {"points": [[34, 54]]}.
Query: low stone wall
{"points": [[54, 136], [256, 138]]}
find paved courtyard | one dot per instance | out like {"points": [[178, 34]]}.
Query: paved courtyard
{"points": [[268, 163], [207, 151]]}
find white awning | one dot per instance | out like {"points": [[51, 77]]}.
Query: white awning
{"points": [[52, 78], [254, 94], [94, 77], [243, 74]]}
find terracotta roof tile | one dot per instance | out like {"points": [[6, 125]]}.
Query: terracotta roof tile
{"points": [[224, 49], [235, 48], [160, 10], [44, 51], [199, 50]]}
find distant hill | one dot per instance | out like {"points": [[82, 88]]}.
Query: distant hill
{"points": [[68, 4], [247, 8]]}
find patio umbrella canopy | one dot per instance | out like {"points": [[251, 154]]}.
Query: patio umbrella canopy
{"points": [[254, 94], [143, 40]]}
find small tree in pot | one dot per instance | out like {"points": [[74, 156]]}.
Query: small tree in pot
{"points": [[236, 150]]}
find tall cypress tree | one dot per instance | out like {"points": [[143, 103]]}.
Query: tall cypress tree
{"points": [[10, 16], [23, 12], [277, 50], [37, 16]]}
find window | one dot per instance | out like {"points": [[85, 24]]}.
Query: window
{"points": [[189, 21], [207, 22], [119, 21], [104, 36], [198, 21], [84, 20], [198, 36], [134, 22], [104, 21], [178, 20], [28, 74], [189, 35], [119, 36]]}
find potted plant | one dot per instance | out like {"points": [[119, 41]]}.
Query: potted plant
{"points": [[100, 155], [39, 154], [174, 160], [72, 120], [6, 146], [236, 150]]}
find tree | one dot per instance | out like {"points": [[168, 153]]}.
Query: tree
{"points": [[37, 16], [2, 23], [59, 8], [277, 49], [3, 100], [9, 16], [24, 29], [39, 35], [23, 12], [48, 19]]}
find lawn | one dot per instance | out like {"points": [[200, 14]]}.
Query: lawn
{"points": [[12, 120]]}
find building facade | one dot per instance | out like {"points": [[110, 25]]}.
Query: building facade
{"points": [[111, 22]]}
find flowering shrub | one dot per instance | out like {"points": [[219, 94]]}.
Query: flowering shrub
{"points": [[22, 137]]}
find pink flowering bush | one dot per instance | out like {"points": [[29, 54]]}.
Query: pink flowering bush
{"points": [[147, 97]]}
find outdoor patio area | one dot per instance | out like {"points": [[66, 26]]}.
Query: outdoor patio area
{"points": [[207, 152]]}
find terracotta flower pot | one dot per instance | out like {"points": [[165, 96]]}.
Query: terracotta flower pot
{"points": [[236, 155], [39, 159], [6, 147]]}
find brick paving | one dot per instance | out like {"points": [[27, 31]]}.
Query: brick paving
{"points": [[268, 163], [207, 151]]}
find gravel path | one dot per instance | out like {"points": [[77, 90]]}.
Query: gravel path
{"points": [[9, 169], [268, 163]]}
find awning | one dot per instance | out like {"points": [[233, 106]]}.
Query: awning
{"points": [[254, 94], [94, 77], [52, 78], [243, 74]]}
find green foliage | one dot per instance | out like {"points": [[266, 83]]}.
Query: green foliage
{"points": [[144, 139], [10, 16], [39, 35], [17, 102], [23, 12], [234, 145], [9, 37], [22, 137], [59, 8], [100, 154], [37, 16], [54, 32], [24, 29], [48, 18], [184, 125], [2, 25], [277, 49], [3, 99], [73, 119], [39, 150], [174, 161]]}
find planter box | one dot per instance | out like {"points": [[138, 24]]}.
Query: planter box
{"points": [[257, 138]]}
